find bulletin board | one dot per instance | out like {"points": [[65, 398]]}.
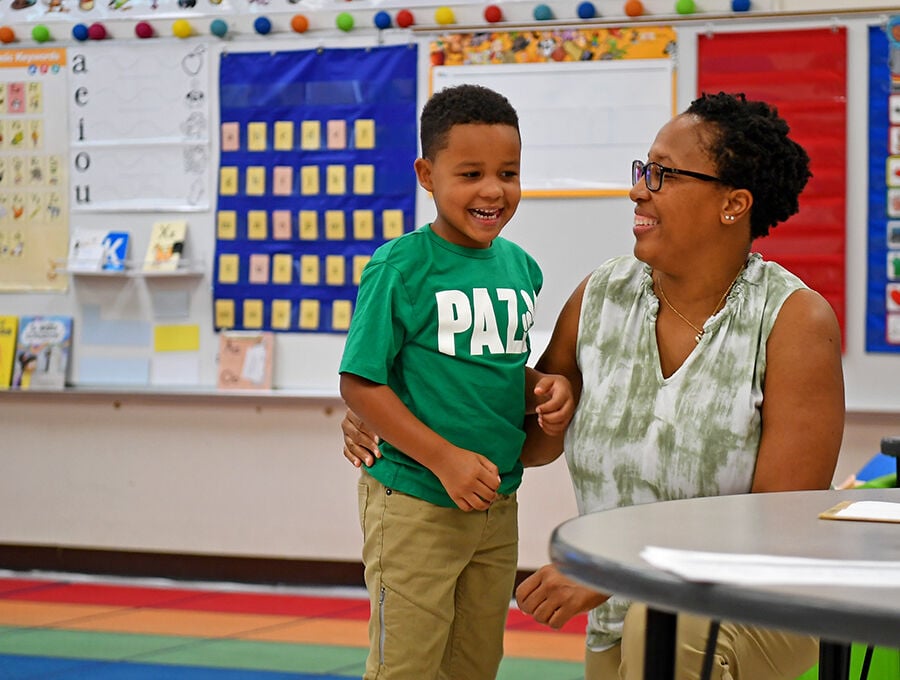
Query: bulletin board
{"points": [[317, 149], [803, 73], [883, 244]]}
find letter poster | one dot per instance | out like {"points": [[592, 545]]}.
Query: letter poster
{"points": [[34, 218], [142, 144], [316, 171]]}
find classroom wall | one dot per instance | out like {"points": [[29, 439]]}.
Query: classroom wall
{"points": [[263, 476]]}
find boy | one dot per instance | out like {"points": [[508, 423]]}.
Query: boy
{"points": [[435, 363]]}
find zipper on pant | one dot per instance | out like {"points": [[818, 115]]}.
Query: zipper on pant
{"points": [[381, 627]]}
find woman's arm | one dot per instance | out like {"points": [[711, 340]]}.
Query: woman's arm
{"points": [[803, 398], [559, 358]]}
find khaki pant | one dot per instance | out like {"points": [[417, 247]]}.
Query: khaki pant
{"points": [[742, 652], [440, 582]]}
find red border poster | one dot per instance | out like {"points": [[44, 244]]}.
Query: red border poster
{"points": [[804, 74]]}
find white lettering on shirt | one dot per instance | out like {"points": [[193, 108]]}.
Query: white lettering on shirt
{"points": [[454, 316], [459, 313]]}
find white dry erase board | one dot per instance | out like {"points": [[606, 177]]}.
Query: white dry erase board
{"points": [[582, 122]]}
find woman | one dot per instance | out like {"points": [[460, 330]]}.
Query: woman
{"points": [[702, 370]]}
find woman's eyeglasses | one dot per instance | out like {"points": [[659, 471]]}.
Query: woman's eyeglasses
{"points": [[653, 174]]}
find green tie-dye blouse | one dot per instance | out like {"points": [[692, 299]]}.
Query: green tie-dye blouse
{"points": [[638, 437]]}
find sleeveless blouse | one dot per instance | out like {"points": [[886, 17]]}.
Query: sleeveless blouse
{"points": [[637, 437]]}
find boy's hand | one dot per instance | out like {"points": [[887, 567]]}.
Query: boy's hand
{"points": [[470, 479], [360, 443], [556, 403]]}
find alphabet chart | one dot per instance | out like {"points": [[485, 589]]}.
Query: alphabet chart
{"points": [[139, 125], [316, 171], [34, 226]]}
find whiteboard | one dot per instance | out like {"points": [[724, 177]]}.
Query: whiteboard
{"points": [[583, 122]]}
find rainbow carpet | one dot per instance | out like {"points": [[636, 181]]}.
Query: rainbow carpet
{"points": [[73, 627]]}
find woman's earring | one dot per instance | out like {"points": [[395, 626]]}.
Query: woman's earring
{"points": [[730, 218]]}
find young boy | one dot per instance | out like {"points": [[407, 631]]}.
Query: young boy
{"points": [[435, 363]]}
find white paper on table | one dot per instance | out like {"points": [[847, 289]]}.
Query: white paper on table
{"points": [[743, 569], [876, 511]]}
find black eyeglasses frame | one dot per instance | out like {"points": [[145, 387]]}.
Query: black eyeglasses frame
{"points": [[639, 169]]}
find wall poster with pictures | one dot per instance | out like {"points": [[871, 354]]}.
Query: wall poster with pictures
{"points": [[34, 210], [883, 284]]}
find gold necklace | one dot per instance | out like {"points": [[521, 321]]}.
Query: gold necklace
{"points": [[698, 331]]}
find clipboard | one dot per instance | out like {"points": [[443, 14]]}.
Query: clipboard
{"points": [[864, 511]]}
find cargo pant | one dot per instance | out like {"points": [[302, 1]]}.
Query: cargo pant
{"points": [[440, 582]]}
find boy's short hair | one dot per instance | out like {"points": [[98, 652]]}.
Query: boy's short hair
{"points": [[461, 105]]}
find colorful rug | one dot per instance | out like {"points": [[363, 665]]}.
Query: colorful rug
{"points": [[83, 628]]}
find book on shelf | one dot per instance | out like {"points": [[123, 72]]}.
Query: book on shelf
{"points": [[115, 251], [166, 246], [86, 250], [8, 337], [43, 346], [92, 250], [245, 360]]}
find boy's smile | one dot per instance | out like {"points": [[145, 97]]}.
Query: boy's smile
{"points": [[474, 181]]}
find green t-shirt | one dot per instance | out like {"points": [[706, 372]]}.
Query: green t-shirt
{"points": [[446, 328]]}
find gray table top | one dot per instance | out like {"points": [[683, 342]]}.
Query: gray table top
{"points": [[603, 549]]}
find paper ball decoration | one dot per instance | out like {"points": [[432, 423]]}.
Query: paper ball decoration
{"points": [[740, 5], [685, 6], [40, 33], [80, 32], [586, 10], [7, 35], [143, 30], [218, 28], [444, 16], [262, 25], [493, 14], [344, 21], [543, 13], [405, 18], [96, 31], [181, 28], [634, 8], [299, 23], [382, 20]]}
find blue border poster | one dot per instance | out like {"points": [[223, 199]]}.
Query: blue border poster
{"points": [[315, 172], [883, 265]]}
